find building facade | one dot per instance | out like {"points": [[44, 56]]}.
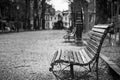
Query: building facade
{"points": [[53, 18], [49, 14], [66, 19]]}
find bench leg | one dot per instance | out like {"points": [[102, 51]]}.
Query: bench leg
{"points": [[72, 71], [97, 70]]}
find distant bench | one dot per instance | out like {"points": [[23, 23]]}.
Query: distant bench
{"points": [[86, 57], [70, 35]]}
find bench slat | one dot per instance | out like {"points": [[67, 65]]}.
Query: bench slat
{"points": [[89, 53], [71, 58], [98, 30], [63, 55], [90, 49], [94, 42], [83, 57], [75, 57], [86, 55], [94, 47], [72, 53], [96, 34], [59, 55], [54, 57], [95, 38], [101, 26], [79, 57], [67, 58]]}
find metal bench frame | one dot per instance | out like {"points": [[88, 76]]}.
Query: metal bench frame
{"points": [[93, 48]]}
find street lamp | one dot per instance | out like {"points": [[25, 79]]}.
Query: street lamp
{"points": [[18, 7], [17, 26], [17, 14], [12, 0]]}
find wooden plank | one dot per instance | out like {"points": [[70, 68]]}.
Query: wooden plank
{"points": [[90, 50], [96, 33], [86, 55], [54, 57], [59, 54], [102, 25], [95, 38], [98, 30], [96, 43], [75, 57], [71, 59], [79, 57], [83, 57], [89, 53], [62, 54], [66, 54], [94, 47]]}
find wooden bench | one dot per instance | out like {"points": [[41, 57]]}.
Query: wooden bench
{"points": [[86, 57]]}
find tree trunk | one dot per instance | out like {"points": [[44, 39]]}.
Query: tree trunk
{"points": [[101, 12], [27, 13], [43, 13], [35, 14], [118, 8]]}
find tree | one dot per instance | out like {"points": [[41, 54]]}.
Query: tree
{"points": [[27, 14], [102, 11], [118, 18], [4, 8], [43, 13], [35, 13]]}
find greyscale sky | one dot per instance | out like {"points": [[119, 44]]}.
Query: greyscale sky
{"points": [[59, 4]]}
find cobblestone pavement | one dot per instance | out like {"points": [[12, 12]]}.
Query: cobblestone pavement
{"points": [[27, 55]]}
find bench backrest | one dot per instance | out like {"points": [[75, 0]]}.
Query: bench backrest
{"points": [[97, 36]]}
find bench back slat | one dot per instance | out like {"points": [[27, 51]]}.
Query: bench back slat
{"points": [[102, 26], [97, 34], [96, 38], [99, 30], [91, 47], [89, 53]]}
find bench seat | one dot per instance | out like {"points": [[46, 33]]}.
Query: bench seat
{"points": [[76, 57]]}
